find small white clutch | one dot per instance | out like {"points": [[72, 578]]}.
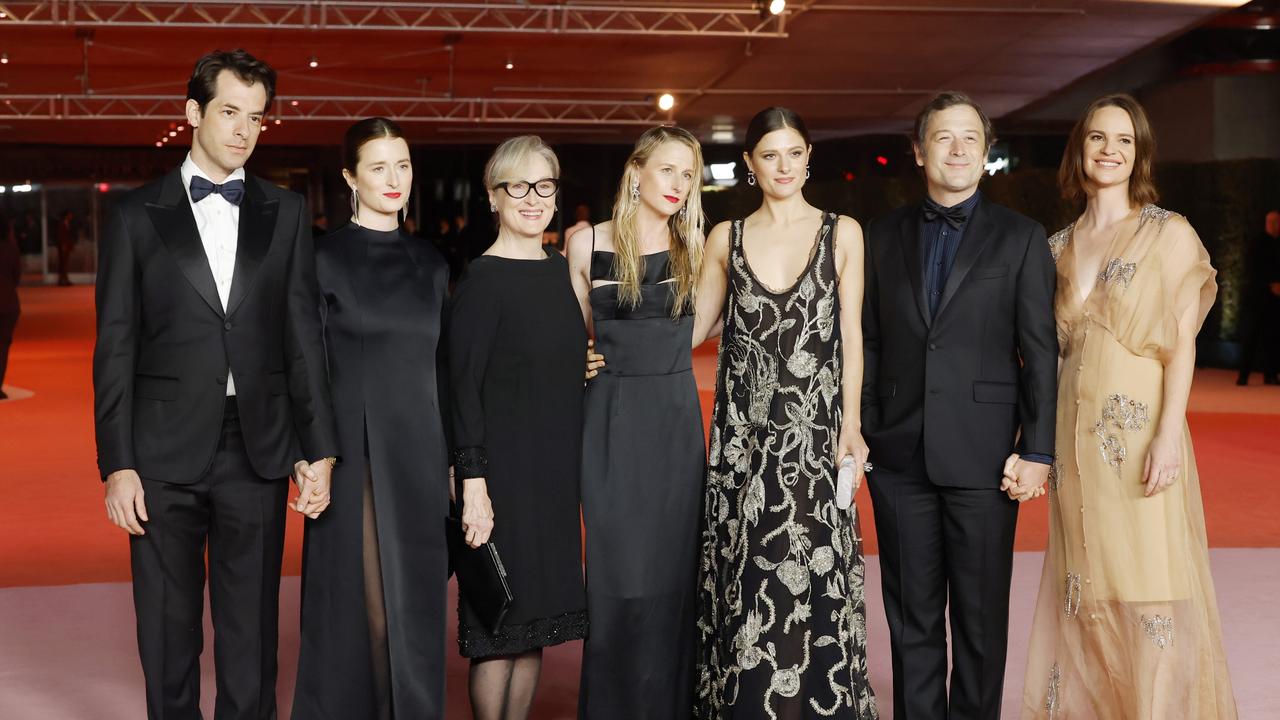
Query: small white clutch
{"points": [[844, 481]]}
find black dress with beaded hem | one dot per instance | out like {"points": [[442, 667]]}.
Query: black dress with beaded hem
{"points": [[516, 348]]}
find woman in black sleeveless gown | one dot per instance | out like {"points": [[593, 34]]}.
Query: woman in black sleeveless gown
{"points": [[781, 616], [374, 564], [644, 452]]}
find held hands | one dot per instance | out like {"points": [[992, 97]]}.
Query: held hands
{"points": [[1023, 480], [852, 444], [595, 361], [477, 512], [1164, 462], [313, 480], [125, 508]]}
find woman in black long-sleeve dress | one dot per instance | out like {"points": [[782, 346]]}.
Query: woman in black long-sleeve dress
{"points": [[374, 567], [516, 359]]}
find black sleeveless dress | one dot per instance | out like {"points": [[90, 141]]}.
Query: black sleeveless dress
{"points": [[644, 460], [781, 618]]}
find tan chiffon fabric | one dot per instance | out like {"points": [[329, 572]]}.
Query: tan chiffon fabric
{"points": [[1126, 625]]}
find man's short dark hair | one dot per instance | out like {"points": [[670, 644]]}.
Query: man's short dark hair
{"points": [[203, 84], [942, 101]]}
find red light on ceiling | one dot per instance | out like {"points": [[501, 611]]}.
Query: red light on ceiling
{"points": [[882, 160], [849, 176], [103, 187]]}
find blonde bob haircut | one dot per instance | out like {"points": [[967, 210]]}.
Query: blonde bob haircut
{"points": [[1077, 187], [685, 226], [514, 152]]}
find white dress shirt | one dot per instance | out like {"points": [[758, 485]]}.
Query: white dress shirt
{"points": [[219, 224]]}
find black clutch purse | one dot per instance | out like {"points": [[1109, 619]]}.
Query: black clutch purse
{"points": [[482, 581]]}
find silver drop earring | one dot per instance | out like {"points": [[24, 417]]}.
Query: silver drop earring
{"points": [[493, 208], [355, 207], [806, 172], [684, 212], [635, 189], [751, 177]]}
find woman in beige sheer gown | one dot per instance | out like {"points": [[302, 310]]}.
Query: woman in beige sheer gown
{"points": [[1127, 625]]}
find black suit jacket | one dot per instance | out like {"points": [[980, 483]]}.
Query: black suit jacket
{"points": [[983, 367], [165, 344]]}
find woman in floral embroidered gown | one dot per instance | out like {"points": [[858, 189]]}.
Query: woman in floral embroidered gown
{"points": [[1127, 624], [781, 619]]}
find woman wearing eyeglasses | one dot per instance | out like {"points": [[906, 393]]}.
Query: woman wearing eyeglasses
{"points": [[516, 349]]}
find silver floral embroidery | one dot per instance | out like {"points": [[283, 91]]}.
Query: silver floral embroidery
{"points": [[1156, 213], [1058, 241], [1120, 414], [781, 577], [1055, 475], [1160, 629], [1071, 601], [1117, 272], [1051, 698]]}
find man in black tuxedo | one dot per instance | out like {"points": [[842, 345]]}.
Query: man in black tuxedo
{"points": [[209, 389], [959, 387]]}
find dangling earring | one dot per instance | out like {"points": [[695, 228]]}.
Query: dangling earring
{"points": [[684, 212], [355, 207], [635, 190], [806, 172], [751, 177], [404, 214], [493, 208]]}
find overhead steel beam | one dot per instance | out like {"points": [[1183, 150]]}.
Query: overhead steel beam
{"points": [[456, 111], [602, 18]]}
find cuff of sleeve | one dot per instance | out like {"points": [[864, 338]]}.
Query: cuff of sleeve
{"points": [[470, 462], [1038, 458]]}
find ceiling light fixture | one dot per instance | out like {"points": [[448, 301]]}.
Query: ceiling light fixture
{"points": [[510, 65], [314, 62], [4, 58], [666, 101], [777, 6]]}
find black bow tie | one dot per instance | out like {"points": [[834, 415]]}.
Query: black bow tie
{"points": [[953, 216], [232, 190]]}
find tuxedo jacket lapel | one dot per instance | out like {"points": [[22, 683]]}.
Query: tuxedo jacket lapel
{"points": [[257, 226], [909, 232], [976, 237], [174, 222]]}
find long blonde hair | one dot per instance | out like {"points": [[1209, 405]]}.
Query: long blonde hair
{"points": [[685, 227]]}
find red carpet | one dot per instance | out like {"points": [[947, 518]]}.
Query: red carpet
{"points": [[55, 531]]}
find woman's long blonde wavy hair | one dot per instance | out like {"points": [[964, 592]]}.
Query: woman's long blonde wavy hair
{"points": [[685, 228]]}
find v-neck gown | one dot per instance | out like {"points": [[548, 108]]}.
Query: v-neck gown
{"points": [[1126, 625], [781, 613]]}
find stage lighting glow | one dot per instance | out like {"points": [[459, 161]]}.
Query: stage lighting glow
{"points": [[666, 101], [4, 57], [777, 6], [293, 103], [173, 133], [159, 144], [722, 171], [24, 188], [996, 165], [314, 62]]}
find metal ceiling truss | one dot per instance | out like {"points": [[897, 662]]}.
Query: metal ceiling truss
{"points": [[705, 20], [456, 111]]}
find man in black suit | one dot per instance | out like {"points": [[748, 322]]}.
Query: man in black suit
{"points": [[209, 390], [959, 388]]}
